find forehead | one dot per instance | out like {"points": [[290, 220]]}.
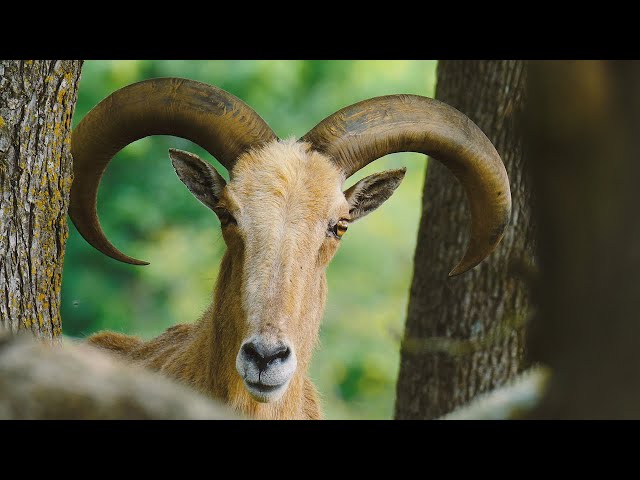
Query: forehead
{"points": [[286, 174]]}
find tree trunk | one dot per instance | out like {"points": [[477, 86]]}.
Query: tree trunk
{"points": [[464, 335], [584, 138], [37, 99]]}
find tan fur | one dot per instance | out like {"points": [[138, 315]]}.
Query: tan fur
{"points": [[272, 281]]}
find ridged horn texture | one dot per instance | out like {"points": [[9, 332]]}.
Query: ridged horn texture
{"points": [[214, 119], [363, 132]]}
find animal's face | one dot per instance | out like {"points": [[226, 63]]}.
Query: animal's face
{"points": [[282, 215]]}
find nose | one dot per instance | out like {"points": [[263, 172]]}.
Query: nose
{"points": [[266, 365], [262, 355]]}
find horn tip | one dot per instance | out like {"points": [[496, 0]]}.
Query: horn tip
{"points": [[458, 270], [126, 259], [464, 266]]}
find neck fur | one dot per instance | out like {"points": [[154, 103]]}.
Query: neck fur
{"points": [[219, 335]]}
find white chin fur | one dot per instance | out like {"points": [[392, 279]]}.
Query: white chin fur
{"points": [[266, 396]]}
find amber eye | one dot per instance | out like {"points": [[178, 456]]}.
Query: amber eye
{"points": [[225, 217], [340, 228]]}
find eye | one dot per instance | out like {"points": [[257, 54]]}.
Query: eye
{"points": [[339, 228], [225, 217]]}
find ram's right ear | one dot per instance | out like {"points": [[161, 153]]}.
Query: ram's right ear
{"points": [[202, 180], [372, 191]]}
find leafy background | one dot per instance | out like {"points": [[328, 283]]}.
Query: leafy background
{"points": [[147, 212]]}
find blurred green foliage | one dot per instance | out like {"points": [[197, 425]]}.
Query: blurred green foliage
{"points": [[147, 212]]}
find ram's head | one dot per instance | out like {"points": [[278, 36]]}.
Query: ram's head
{"points": [[284, 211]]}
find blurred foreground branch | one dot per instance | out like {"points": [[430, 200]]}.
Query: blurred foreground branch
{"points": [[79, 382], [509, 402]]}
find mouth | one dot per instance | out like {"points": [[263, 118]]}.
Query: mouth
{"points": [[264, 393]]}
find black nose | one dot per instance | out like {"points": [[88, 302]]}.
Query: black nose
{"points": [[263, 355]]}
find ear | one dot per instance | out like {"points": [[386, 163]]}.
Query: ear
{"points": [[199, 176], [372, 191]]}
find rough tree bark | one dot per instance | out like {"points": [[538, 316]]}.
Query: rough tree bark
{"points": [[37, 99], [584, 119], [464, 335]]}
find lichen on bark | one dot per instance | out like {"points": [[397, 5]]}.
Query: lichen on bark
{"points": [[37, 100]]}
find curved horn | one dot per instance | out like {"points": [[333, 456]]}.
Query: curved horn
{"points": [[214, 119], [363, 132]]}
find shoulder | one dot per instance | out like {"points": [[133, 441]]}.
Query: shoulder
{"points": [[115, 342]]}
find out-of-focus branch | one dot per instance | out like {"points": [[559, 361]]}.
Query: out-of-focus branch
{"points": [[509, 402], [79, 382]]}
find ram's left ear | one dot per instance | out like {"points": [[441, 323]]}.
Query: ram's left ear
{"points": [[372, 191]]}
